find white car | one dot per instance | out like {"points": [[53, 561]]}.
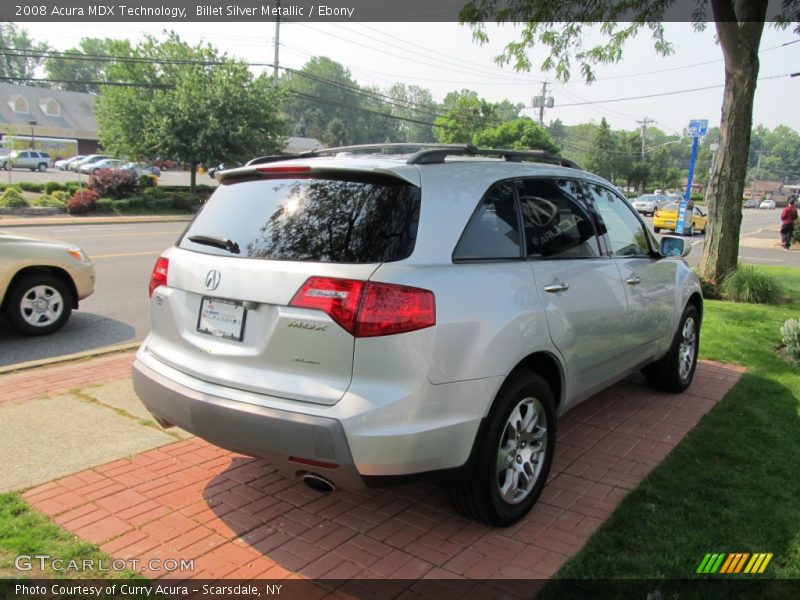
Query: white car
{"points": [[368, 317], [770, 204], [648, 204], [99, 165], [63, 163]]}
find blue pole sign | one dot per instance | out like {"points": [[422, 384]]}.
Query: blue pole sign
{"points": [[697, 129]]}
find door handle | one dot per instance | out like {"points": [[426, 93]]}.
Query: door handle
{"points": [[556, 287], [633, 280]]}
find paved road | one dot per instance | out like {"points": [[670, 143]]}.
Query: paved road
{"points": [[124, 255]]}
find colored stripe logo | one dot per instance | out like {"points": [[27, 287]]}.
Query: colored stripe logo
{"points": [[733, 563]]}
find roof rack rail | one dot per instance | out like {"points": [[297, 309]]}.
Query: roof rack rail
{"points": [[427, 154], [426, 157]]}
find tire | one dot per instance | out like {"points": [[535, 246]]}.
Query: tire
{"points": [[675, 371], [42, 167], [6, 166], [502, 495], [691, 230], [39, 304], [657, 229]]}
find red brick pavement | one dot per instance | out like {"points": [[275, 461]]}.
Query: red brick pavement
{"points": [[30, 384], [237, 518]]}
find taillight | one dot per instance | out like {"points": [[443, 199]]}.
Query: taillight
{"points": [[657, 214], [368, 309], [338, 298], [159, 276]]}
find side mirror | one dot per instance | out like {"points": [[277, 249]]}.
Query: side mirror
{"points": [[674, 246]]}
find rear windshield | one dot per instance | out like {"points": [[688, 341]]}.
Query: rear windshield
{"points": [[336, 219]]}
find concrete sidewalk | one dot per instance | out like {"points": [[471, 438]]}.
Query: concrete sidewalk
{"points": [[138, 492]]}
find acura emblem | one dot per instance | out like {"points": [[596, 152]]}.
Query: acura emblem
{"points": [[212, 279]]}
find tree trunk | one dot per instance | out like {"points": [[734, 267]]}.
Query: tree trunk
{"points": [[192, 176], [740, 48]]}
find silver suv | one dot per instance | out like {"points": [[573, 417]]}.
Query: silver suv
{"points": [[27, 159], [359, 319]]}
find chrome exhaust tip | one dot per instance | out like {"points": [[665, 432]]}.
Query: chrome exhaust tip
{"points": [[317, 483]]}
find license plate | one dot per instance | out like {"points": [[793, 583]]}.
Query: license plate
{"points": [[670, 222], [222, 318]]}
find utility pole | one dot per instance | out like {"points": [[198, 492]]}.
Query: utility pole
{"points": [[643, 123], [542, 102], [277, 43]]}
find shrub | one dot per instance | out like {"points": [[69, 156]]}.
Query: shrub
{"points": [[145, 181], [49, 201], [747, 284], [159, 203], [155, 192], [187, 201], [11, 198], [72, 187], [61, 195], [81, 202], [104, 205], [121, 206], [116, 183], [29, 186], [790, 332], [796, 231], [53, 186]]}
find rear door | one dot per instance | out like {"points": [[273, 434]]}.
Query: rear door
{"points": [[578, 285], [226, 313]]}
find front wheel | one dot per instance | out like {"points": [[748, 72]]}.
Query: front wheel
{"points": [[39, 305], [42, 167], [675, 371], [514, 451]]}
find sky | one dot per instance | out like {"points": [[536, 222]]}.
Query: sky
{"points": [[443, 57]]}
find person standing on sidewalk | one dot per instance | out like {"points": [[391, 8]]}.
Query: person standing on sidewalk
{"points": [[788, 217]]}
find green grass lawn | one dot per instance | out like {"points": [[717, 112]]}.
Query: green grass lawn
{"points": [[733, 484], [24, 531]]}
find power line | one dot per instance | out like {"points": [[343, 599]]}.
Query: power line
{"points": [[109, 83]]}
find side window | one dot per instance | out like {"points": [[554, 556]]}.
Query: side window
{"points": [[493, 231], [625, 232], [24, 155], [556, 225]]}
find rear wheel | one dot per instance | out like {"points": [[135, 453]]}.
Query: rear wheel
{"points": [[675, 371], [42, 167], [513, 454], [657, 229], [39, 304]]}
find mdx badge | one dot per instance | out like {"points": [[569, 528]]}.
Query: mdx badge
{"points": [[212, 279], [307, 326]]}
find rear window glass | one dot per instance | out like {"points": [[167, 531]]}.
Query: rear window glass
{"points": [[354, 219]]}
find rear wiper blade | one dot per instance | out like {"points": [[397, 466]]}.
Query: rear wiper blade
{"points": [[217, 242]]}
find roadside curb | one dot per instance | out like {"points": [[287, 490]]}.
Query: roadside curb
{"points": [[46, 362], [44, 221]]}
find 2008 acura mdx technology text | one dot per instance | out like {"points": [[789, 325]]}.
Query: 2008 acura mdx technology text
{"points": [[357, 317]]}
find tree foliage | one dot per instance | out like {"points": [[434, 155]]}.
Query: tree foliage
{"points": [[18, 66], [466, 114], [560, 28], [519, 134], [78, 73], [210, 110]]}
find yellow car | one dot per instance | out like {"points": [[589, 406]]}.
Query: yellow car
{"points": [[667, 218]]}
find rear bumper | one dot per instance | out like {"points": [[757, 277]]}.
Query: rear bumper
{"points": [[268, 433]]}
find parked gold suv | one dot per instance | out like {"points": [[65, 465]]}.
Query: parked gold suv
{"points": [[41, 282]]}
